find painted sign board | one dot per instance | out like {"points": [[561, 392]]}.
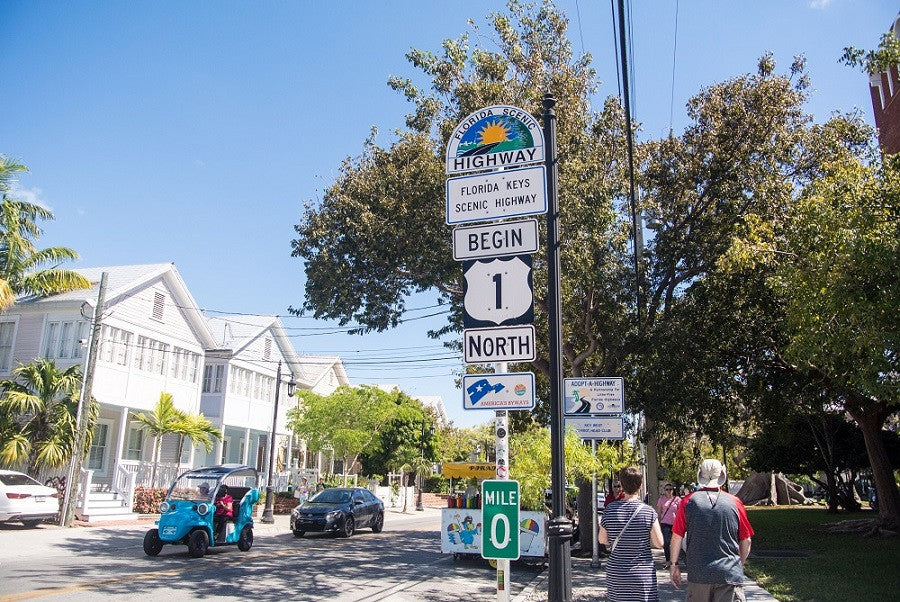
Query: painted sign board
{"points": [[494, 137], [497, 292], [461, 531], [597, 427], [503, 344], [500, 513], [509, 391], [495, 240], [496, 195], [586, 396]]}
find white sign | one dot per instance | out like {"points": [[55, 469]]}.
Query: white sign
{"points": [[492, 137], [585, 396], [597, 427], [487, 196], [495, 240], [497, 292], [510, 391], [504, 344]]}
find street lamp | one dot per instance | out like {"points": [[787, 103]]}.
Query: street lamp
{"points": [[421, 476], [267, 516]]}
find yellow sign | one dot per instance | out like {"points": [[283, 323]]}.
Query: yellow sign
{"points": [[458, 470]]}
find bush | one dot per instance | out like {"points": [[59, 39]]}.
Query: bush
{"points": [[148, 499], [436, 484]]}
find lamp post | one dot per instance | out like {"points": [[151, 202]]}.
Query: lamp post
{"points": [[421, 475], [267, 516]]}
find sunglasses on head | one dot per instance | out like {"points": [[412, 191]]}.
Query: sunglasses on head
{"points": [[617, 486], [668, 489]]}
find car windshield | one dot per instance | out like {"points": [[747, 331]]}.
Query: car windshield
{"points": [[331, 496], [17, 479], [194, 486]]}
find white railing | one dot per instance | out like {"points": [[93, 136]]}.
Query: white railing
{"points": [[124, 483], [87, 478]]}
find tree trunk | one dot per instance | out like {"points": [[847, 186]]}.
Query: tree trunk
{"points": [[885, 487]]}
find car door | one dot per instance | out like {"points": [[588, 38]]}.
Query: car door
{"points": [[361, 509]]}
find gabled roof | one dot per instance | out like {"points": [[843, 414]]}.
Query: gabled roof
{"points": [[123, 280], [313, 368], [236, 332]]}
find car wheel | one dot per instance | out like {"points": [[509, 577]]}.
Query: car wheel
{"points": [[152, 543], [31, 524], [378, 523], [349, 527], [245, 541], [198, 543], [298, 533]]}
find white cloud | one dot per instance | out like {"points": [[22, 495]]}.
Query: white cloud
{"points": [[819, 4], [29, 195]]}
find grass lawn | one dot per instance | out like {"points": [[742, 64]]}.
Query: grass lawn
{"points": [[841, 566]]}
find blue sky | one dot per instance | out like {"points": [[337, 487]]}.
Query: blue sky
{"points": [[193, 132]]}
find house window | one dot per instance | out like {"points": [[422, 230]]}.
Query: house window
{"points": [[150, 355], [114, 345], [208, 378], [134, 448], [159, 304], [7, 339], [217, 382], [98, 447], [63, 339]]}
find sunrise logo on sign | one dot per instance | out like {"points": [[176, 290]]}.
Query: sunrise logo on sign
{"points": [[494, 137]]}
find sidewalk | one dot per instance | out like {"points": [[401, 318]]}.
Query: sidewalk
{"points": [[590, 584]]}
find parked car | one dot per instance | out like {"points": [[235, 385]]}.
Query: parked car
{"points": [[22, 499], [340, 510], [187, 515]]}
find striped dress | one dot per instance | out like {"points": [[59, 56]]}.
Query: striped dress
{"points": [[630, 574]]}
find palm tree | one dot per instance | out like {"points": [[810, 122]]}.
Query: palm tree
{"points": [[38, 412], [25, 269], [199, 430], [164, 419]]}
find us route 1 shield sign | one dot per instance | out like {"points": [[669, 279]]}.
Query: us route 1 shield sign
{"points": [[495, 240], [584, 396], [510, 391], [487, 196], [497, 292], [597, 427]]}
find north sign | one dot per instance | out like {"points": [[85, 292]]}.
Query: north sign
{"points": [[597, 427], [487, 196], [509, 391], [586, 396], [504, 344], [495, 240], [497, 292], [494, 137]]}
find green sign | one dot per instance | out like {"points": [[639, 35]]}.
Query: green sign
{"points": [[500, 519]]}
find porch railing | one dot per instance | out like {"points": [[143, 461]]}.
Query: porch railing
{"points": [[87, 480], [124, 484]]}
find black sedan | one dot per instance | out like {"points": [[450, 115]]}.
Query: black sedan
{"points": [[338, 510]]}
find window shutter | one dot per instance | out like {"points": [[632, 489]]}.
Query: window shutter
{"points": [[159, 301]]}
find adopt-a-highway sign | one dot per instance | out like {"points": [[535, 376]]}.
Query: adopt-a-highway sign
{"points": [[500, 519], [509, 391], [586, 396]]}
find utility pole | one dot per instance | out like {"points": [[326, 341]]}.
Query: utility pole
{"points": [[73, 479]]}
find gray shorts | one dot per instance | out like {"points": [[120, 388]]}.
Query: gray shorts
{"points": [[714, 592]]}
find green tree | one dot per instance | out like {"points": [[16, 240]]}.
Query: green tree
{"points": [[164, 419], [349, 420], [38, 409], [22, 265], [199, 430]]}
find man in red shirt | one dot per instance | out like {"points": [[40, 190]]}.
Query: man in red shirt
{"points": [[719, 539], [615, 495], [224, 511]]}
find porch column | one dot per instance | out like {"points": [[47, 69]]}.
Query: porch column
{"points": [[246, 446], [191, 454], [120, 443], [219, 445], [287, 454]]}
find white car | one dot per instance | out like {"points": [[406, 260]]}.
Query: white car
{"points": [[24, 499]]}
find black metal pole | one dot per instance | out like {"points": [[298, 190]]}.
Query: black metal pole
{"points": [[559, 529], [419, 476], [267, 516]]}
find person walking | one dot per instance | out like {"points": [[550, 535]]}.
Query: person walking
{"points": [[628, 528], [718, 539], [667, 507]]}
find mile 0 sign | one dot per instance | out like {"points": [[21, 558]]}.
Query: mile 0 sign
{"points": [[494, 137]]}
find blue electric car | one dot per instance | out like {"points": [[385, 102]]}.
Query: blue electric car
{"points": [[187, 516]]}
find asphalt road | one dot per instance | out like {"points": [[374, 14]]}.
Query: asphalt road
{"points": [[401, 563]]}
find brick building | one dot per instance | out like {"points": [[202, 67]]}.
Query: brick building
{"points": [[885, 89]]}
